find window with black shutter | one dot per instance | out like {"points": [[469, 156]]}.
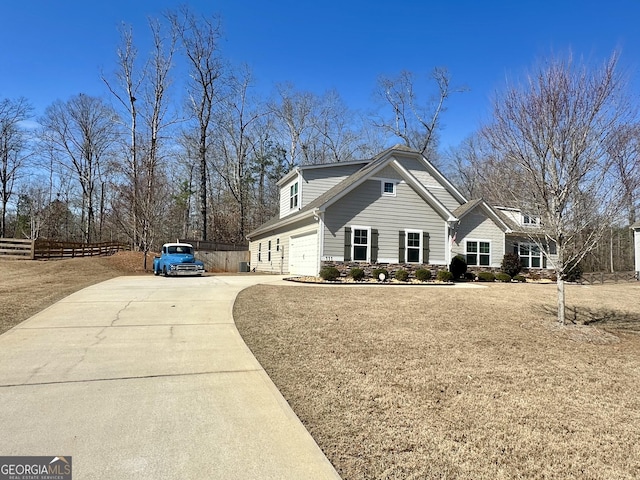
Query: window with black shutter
{"points": [[347, 244]]}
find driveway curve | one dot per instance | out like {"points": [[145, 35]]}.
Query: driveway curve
{"points": [[147, 377]]}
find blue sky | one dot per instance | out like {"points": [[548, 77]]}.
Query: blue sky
{"points": [[53, 49]]}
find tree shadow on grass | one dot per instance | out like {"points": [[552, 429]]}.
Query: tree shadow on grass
{"points": [[599, 317]]}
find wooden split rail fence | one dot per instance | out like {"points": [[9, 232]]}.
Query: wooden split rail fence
{"points": [[39, 249], [603, 277]]}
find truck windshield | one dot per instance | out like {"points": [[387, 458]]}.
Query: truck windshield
{"points": [[180, 249]]}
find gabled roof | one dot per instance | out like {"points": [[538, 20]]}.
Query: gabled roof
{"points": [[347, 185], [495, 215], [443, 180], [515, 227], [636, 226], [295, 171], [352, 181], [462, 210], [424, 193]]}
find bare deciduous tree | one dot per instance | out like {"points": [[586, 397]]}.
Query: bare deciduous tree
{"points": [[142, 92], [414, 122], [12, 150], [200, 37], [338, 132], [237, 118], [268, 166], [318, 129], [465, 163], [129, 79], [547, 138], [623, 146], [80, 133], [293, 122], [156, 120]]}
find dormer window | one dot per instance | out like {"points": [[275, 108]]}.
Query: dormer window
{"points": [[388, 188], [293, 196], [529, 220]]}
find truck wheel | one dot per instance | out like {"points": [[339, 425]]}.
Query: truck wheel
{"points": [[156, 272]]}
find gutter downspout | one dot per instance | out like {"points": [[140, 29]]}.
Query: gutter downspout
{"points": [[319, 215]]}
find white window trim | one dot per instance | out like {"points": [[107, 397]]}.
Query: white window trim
{"points": [[391, 181], [478, 240], [533, 220], [540, 251], [406, 244], [353, 244], [295, 185]]}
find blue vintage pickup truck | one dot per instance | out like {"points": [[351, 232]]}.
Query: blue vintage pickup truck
{"points": [[177, 259]]}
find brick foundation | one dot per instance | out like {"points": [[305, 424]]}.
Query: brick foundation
{"points": [[345, 267]]}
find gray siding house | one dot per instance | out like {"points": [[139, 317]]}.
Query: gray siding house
{"points": [[395, 209]]}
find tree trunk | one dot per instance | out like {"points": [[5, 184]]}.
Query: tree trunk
{"points": [[3, 221], [134, 176], [243, 213], [203, 186], [611, 250], [5, 195], [561, 301]]}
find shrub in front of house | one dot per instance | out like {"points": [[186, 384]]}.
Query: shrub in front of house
{"points": [[573, 272], [511, 264], [401, 275], [520, 278], [469, 276], [376, 273], [486, 277], [329, 273], [423, 274], [445, 276], [357, 274], [458, 266], [503, 277]]}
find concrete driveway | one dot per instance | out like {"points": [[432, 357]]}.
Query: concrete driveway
{"points": [[147, 378]]}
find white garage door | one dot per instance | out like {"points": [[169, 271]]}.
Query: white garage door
{"points": [[303, 254]]}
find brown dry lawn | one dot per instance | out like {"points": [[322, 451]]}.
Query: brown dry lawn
{"points": [[425, 383], [27, 287]]}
